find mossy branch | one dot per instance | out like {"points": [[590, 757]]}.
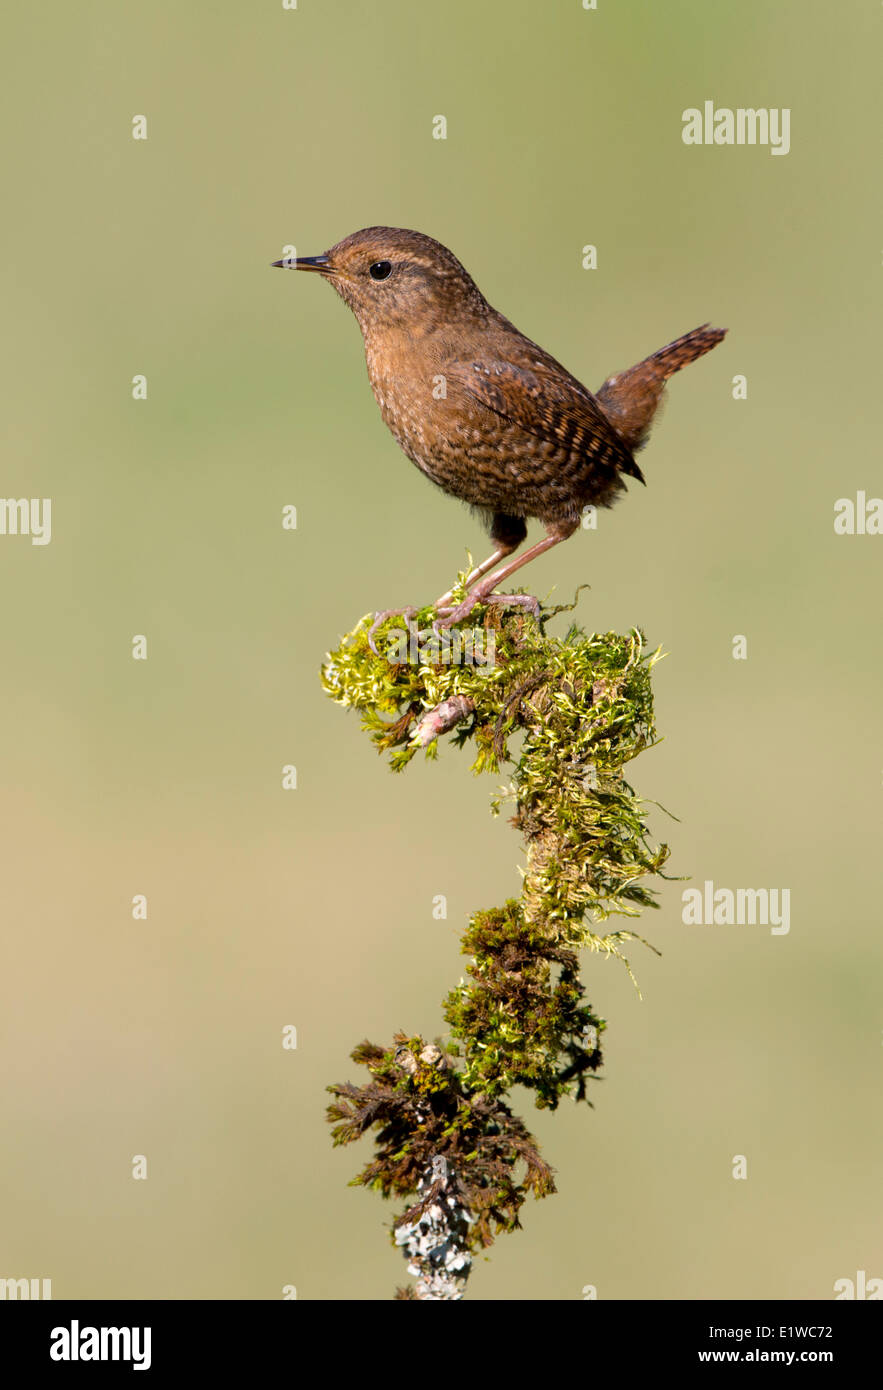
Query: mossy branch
{"points": [[565, 715]]}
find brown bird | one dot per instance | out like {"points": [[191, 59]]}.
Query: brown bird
{"points": [[483, 411]]}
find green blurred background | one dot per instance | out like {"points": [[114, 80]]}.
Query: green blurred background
{"points": [[313, 907]]}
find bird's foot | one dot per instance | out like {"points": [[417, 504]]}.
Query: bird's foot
{"points": [[382, 617], [451, 616], [528, 601]]}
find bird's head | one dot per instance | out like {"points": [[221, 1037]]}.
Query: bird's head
{"points": [[393, 278]]}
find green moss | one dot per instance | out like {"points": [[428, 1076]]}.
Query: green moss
{"points": [[563, 715]]}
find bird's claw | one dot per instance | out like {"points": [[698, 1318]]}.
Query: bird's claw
{"points": [[449, 617], [527, 601], [382, 617]]}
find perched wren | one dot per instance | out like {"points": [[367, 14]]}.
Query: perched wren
{"points": [[483, 411]]}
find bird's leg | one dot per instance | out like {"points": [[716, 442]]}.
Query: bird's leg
{"points": [[508, 532], [483, 591], [499, 554]]}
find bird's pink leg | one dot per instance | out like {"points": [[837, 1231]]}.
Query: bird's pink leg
{"points": [[484, 591], [499, 554]]}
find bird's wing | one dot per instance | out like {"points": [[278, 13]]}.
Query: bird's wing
{"points": [[547, 403]]}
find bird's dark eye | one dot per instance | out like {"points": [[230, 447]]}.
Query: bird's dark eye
{"points": [[380, 270]]}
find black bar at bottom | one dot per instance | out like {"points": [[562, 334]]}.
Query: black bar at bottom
{"points": [[65, 1338]]}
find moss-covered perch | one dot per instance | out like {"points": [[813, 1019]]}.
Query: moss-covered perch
{"points": [[446, 1139]]}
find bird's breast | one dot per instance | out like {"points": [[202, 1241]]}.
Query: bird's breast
{"points": [[409, 394]]}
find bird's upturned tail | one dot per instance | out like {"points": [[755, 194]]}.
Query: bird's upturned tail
{"points": [[631, 398]]}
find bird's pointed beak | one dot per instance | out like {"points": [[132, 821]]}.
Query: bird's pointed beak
{"points": [[321, 264]]}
